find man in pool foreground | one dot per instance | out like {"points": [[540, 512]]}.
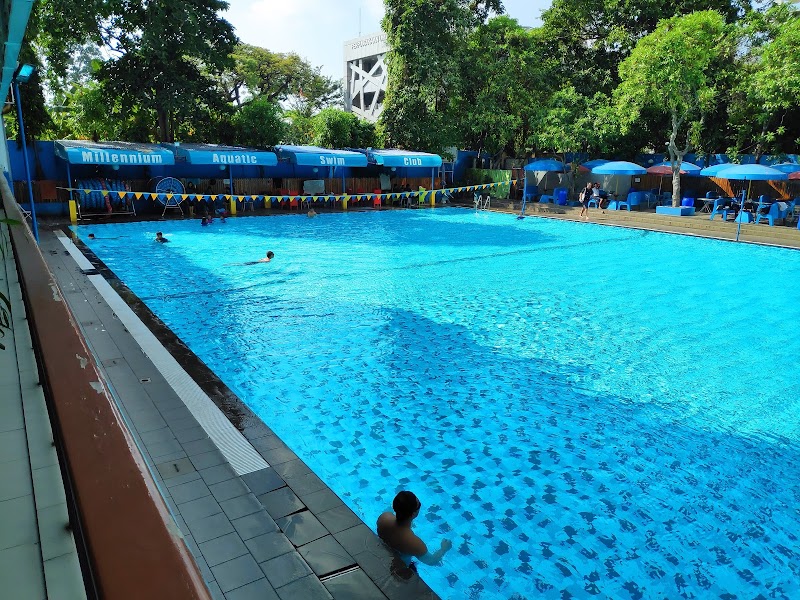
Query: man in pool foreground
{"points": [[395, 530]]}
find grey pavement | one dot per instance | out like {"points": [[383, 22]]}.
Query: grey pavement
{"points": [[38, 556]]}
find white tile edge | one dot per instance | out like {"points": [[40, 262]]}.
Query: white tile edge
{"points": [[233, 445]]}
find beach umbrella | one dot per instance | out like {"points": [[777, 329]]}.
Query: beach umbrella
{"points": [[619, 167], [795, 175], [664, 169], [591, 164], [546, 164], [712, 171], [750, 173]]}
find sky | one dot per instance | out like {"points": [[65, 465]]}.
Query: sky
{"points": [[317, 29]]}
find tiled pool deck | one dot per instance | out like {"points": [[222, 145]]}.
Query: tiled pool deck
{"points": [[275, 532], [38, 556]]}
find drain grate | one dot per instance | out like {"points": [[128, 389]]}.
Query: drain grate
{"points": [[90, 272]]}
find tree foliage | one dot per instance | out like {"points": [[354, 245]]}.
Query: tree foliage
{"points": [[427, 41], [259, 123], [335, 128], [674, 71], [258, 73]]}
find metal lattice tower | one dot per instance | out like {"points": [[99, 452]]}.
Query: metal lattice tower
{"points": [[365, 75]]}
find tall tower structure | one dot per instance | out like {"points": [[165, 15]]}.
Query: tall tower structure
{"points": [[365, 75]]}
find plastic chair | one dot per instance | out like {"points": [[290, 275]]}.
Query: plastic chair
{"points": [[560, 196], [722, 206], [626, 202]]}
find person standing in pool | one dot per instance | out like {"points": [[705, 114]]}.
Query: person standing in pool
{"points": [[395, 530], [268, 257], [160, 238]]}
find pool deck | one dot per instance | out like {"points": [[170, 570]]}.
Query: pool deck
{"points": [[699, 225], [259, 523], [38, 555]]}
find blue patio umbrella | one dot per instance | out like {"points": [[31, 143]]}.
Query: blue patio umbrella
{"points": [[591, 164], [546, 164], [712, 171], [619, 167], [750, 173]]}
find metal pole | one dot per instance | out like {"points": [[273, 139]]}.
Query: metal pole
{"points": [[34, 225], [741, 210], [230, 178]]}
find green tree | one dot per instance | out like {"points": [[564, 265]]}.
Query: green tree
{"points": [[426, 41], [591, 38], [161, 54], [764, 104], [503, 78], [573, 123], [674, 71], [258, 73], [259, 123], [335, 128]]}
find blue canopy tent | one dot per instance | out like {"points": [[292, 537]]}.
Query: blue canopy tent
{"points": [[404, 159], [116, 155], [317, 158], [223, 157]]}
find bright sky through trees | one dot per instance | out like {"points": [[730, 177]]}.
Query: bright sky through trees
{"points": [[317, 29]]}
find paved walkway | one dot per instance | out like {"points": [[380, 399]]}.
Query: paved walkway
{"points": [[38, 558], [264, 527]]}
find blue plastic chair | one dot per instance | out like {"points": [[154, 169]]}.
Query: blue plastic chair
{"points": [[722, 206], [770, 212], [636, 198], [560, 196]]}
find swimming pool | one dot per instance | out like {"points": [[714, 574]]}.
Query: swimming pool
{"points": [[583, 410]]}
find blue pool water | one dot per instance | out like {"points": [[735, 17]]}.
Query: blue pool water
{"points": [[583, 410]]}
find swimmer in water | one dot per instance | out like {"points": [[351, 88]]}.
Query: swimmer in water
{"points": [[395, 530]]}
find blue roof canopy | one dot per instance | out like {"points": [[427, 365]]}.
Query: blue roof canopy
{"points": [[313, 156], [211, 154], [402, 158], [84, 152]]}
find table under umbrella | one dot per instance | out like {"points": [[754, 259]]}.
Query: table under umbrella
{"points": [[749, 173]]}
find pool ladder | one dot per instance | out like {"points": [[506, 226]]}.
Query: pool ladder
{"points": [[481, 203]]}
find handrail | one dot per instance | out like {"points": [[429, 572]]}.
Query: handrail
{"points": [[135, 549]]}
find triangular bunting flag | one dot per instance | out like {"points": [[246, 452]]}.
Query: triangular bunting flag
{"points": [[121, 194], [87, 191], [137, 195], [169, 196], [253, 197]]}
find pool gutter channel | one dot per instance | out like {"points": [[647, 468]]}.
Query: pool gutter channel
{"points": [[368, 553]]}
